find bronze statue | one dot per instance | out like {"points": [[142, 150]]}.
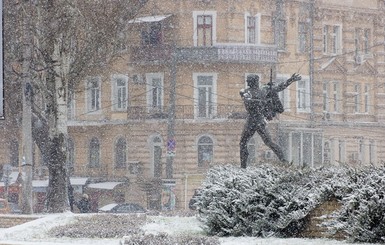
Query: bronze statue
{"points": [[262, 104]]}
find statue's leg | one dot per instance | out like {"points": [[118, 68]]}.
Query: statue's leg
{"points": [[265, 135], [248, 132]]}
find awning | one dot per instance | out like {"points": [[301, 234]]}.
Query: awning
{"points": [[12, 178], [104, 185], [78, 180], [39, 183], [152, 18]]}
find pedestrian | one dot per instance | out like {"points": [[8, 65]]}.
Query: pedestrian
{"points": [[83, 204], [71, 197], [260, 105]]}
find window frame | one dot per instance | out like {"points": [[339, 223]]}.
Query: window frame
{"points": [[305, 92], [213, 104], [303, 38], [156, 171], [115, 92], [213, 15], [150, 92], [93, 92], [120, 142], [284, 95], [203, 145], [94, 145], [257, 29], [332, 39]]}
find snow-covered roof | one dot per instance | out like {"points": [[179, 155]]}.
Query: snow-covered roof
{"points": [[39, 183], [78, 181], [152, 18], [108, 207], [104, 185], [11, 179]]}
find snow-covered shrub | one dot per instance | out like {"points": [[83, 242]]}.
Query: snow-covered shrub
{"points": [[362, 216], [264, 200], [165, 239]]}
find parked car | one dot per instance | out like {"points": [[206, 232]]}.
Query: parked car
{"points": [[122, 208], [4, 206]]}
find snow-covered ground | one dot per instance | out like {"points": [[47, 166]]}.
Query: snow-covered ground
{"points": [[35, 232]]}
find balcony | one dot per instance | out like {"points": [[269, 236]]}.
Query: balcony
{"points": [[214, 54], [184, 112]]}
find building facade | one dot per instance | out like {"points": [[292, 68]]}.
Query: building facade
{"points": [[158, 119]]}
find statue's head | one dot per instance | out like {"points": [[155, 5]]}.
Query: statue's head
{"points": [[253, 81]]}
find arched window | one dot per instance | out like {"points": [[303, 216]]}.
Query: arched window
{"points": [[94, 153], [120, 153], [157, 156], [71, 156], [14, 153], [251, 159], [205, 151]]}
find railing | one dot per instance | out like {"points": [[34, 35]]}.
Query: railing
{"points": [[218, 53], [187, 112]]}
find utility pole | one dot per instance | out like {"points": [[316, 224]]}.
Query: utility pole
{"points": [[27, 120], [311, 58], [171, 117]]}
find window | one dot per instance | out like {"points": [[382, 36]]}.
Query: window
{"points": [[252, 29], [357, 40], [251, 148], [205, 151], [71, 156], [302, 37], [366, 99], [325, 97], [71, 105], [372, 152], [14, 153], [120, 153], [154, 91], [332, 39], [357, 98], [93, 94], [152, 34], [341, 151], [94, 153], [306, 148], [285, 94], [205, 95], [280, 40], [303, 96], [336, 97], [120, 92], [156, 155], [367, 41], [204, 28]]}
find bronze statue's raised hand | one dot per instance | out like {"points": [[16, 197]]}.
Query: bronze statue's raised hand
{"points": [[295, 77]]}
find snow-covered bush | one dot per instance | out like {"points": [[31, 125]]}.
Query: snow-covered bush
{"points": [[165, 239], [268, 200], [261, 201], [362, 216]]}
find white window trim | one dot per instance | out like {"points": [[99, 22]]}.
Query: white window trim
{"points": [[88, 110], [214, 24], [331, 32], [214, 92], [197, 146], [152, 145], [307, 92], [286, 92], [257, 28], [149, 76], [114, 90]]}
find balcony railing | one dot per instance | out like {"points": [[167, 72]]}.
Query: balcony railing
{"points": [[187, 112], [218, 53]]}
